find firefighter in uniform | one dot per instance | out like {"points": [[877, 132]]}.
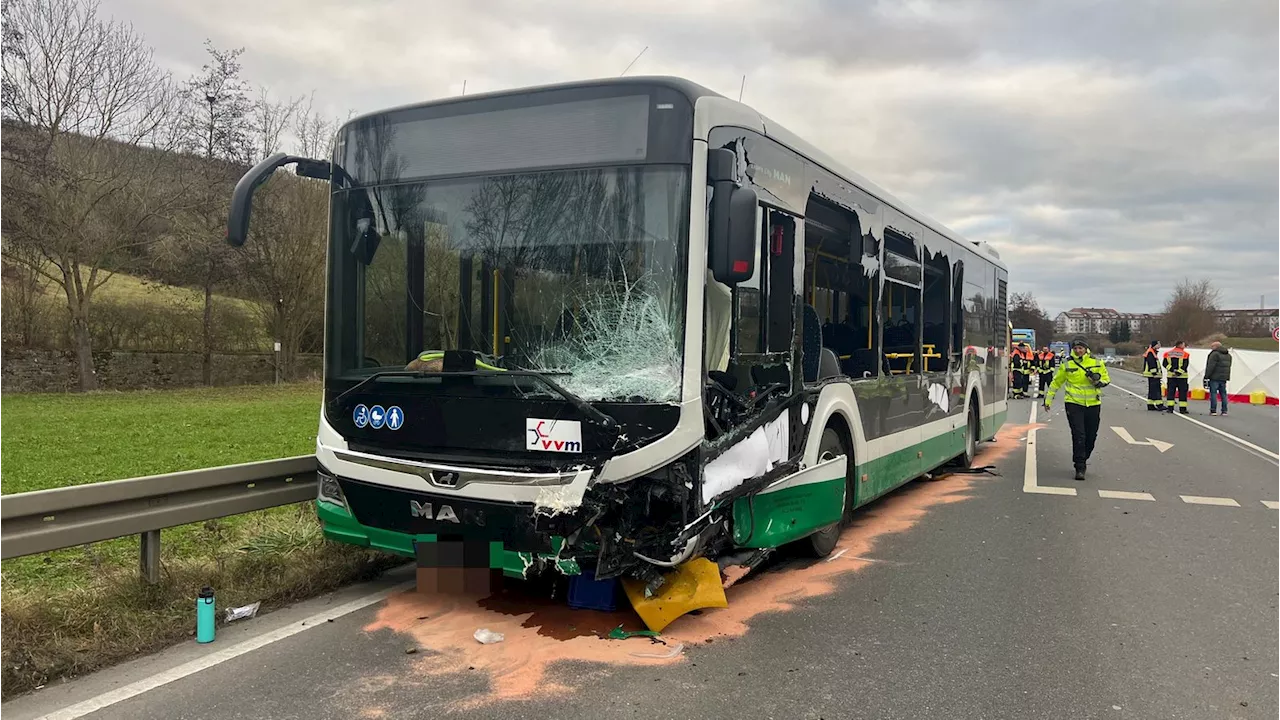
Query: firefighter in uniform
{"points": [[1177, 368], [1045, 364], [1015, 370], [1083, 376], [1021, 370], [1151, 371]]}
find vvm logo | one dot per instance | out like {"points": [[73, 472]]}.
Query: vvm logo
{"points": [[553, 435]]}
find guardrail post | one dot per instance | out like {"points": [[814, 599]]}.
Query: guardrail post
{"points": [[149, 559]]}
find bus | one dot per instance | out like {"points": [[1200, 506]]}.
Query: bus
{"points": [[619, 329]]}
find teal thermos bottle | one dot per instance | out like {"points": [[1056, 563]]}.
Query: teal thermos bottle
{"points": [[204, 615]]}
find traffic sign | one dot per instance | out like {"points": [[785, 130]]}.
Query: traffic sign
{"points": [[1275, 334]]}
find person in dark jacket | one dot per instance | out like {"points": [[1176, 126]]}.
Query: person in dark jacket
{"points": [[1217, 371], [1151, 371]]}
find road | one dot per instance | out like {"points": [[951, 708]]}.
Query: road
{"points": [[1147, 591]]}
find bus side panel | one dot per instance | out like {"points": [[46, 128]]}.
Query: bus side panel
{"points": [[793, 508]]}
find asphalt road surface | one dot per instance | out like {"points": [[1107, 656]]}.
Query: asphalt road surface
{"points": [[1147, 591]]}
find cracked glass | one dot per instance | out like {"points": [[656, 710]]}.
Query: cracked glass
{"points": [[576, 273]]}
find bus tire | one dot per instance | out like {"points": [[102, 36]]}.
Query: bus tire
{"points": [[822, 542], [972, 430], [972, 434]]}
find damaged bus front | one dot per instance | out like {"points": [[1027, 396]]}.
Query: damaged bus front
{"points": [[535, 347]]}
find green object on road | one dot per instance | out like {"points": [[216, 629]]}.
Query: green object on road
{"points": [[619, 634]]}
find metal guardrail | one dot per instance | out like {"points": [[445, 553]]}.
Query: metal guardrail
{"points": [[44, 520]]}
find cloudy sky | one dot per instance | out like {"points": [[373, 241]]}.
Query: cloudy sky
{"points": [[1107, 149]]}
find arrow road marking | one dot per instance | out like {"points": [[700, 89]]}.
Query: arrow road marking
{"points": [[1124, 435], [1188, 418]]}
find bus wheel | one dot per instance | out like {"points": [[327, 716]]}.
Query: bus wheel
{"points": [[821, 543], [972, 429], [971, 432]]}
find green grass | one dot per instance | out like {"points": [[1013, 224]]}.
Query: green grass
{"points": [[53, 440], [72, 611], [1265, 344]]}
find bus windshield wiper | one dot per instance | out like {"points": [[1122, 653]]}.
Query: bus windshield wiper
{"points": [[336, 403], [582, 406]]}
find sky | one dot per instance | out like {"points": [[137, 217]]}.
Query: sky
{"points": [[1105, 149]]}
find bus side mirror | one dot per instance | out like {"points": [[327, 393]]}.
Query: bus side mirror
{"points": [[242, 196], [734, 242]]}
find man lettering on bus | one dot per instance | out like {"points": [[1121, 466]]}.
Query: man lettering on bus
{"points": [[1083, 376]]}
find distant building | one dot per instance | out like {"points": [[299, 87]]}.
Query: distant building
{"points": [[1099, 321], [1248, 322]]}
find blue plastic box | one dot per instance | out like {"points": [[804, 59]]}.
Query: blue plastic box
{"points": [[587, 593]]}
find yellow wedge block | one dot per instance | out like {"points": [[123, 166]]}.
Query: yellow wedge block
{"points": [[691, 586]]}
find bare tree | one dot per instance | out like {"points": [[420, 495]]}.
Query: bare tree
{"points": [[1025, 312], [283, 263], [1190, 313], [216, 123], [314, 131], [270, 119], [83, 101], [24, 290]]}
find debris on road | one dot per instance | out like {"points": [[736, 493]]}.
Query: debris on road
{"points": [[240, 613], [619, 634], [485, 636], [674, 651]]}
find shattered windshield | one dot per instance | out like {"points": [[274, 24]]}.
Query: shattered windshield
{"points": [[578, 273]]}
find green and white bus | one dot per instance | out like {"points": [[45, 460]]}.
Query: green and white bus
{"points": [[609, 327]]}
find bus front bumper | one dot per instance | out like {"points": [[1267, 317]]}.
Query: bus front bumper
{"points": [[341, 526]]}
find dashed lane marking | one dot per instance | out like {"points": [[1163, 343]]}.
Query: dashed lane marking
{"points": [[1272, 504], [1125, 495], [1201, 500]]}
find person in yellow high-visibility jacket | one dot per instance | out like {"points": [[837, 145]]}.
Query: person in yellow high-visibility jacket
{"points": [[1082, 376]]}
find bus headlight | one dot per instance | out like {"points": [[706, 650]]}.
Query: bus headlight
{"points": [[330, 491]]}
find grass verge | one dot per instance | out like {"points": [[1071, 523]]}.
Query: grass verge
{"points": [[70, 612], [53, 439], [1265, 344]]}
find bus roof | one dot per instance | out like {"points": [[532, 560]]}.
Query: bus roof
{"points": [[715, 109]]}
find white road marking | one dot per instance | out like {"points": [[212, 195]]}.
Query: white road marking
{"points": [[1029, 484], [1272, 504], [1124, 435], [1206, 426], [218, 657], [1201, 500], [1125, 495]]}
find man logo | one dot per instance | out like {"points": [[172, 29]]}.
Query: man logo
{"points": [[424, 510]]}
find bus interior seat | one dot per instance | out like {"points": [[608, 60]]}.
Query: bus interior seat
{"points": [[829, 365], [861, 363]]}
